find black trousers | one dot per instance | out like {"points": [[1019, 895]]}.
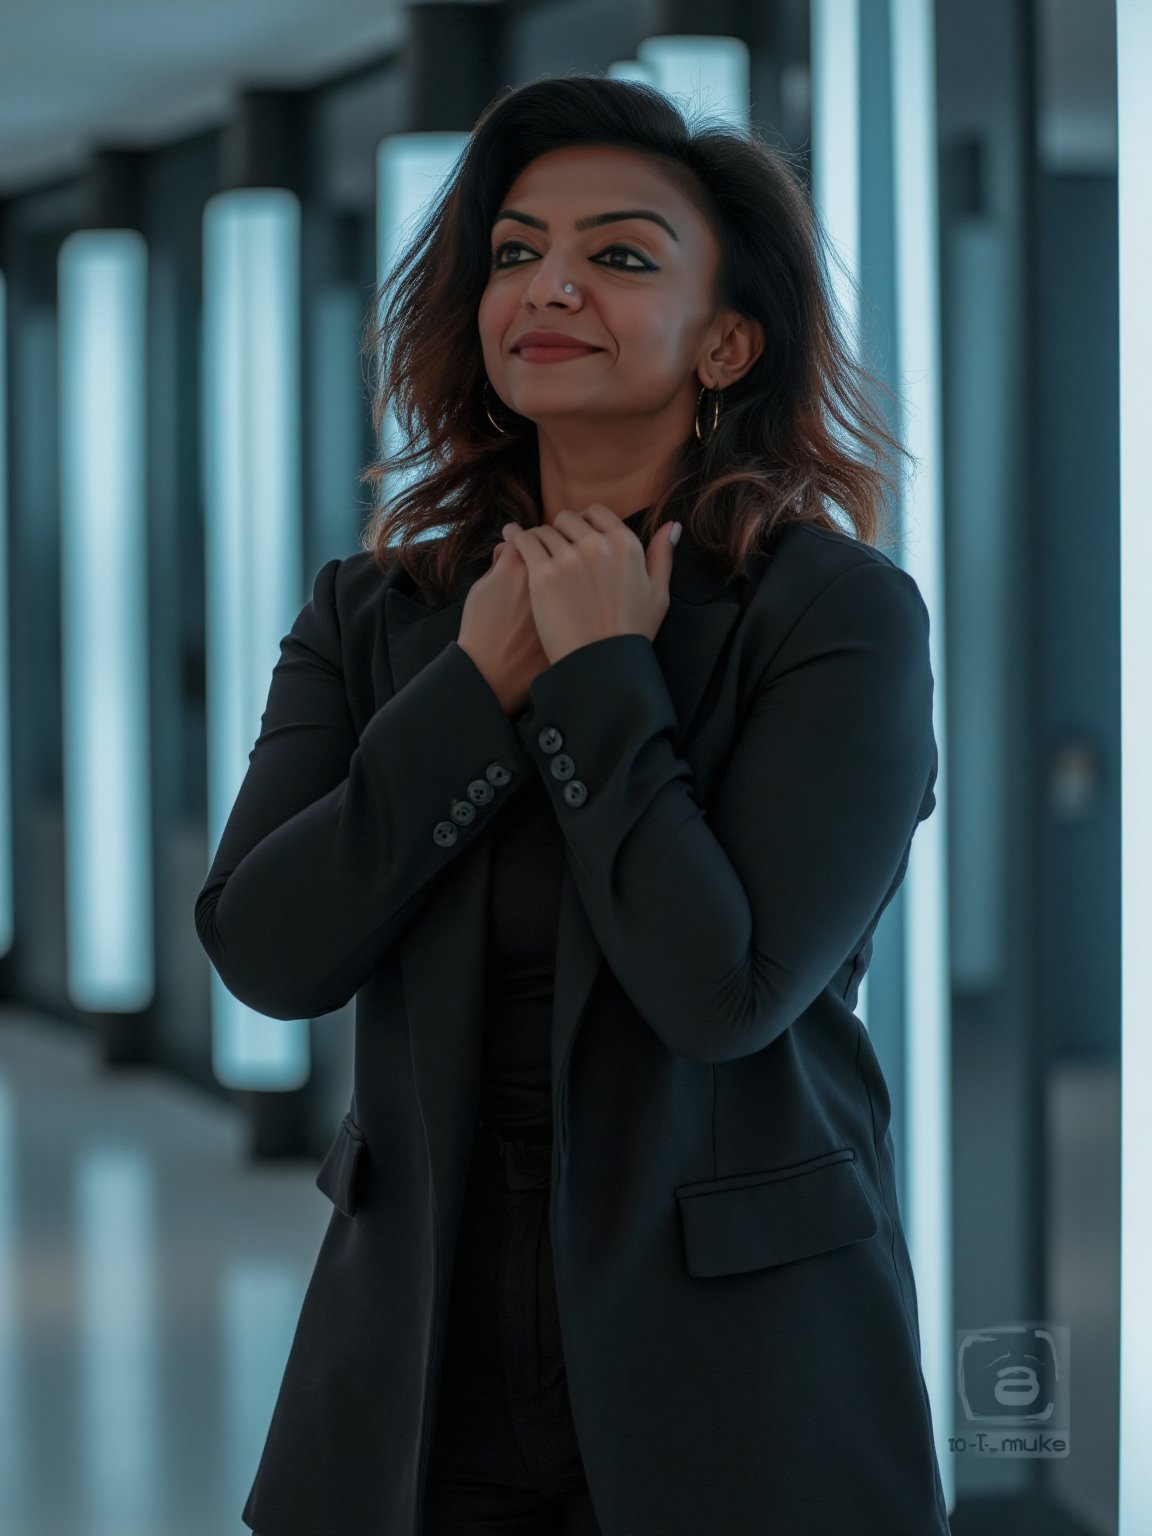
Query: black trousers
{"points": [[504, 1459]]}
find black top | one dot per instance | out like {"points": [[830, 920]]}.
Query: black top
{"points": [[524, 915]]}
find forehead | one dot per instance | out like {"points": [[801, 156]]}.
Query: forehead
{"points": [[598, 172]]}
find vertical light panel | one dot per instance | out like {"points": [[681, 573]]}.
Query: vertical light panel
{"points": [[103, 292], [835, 53], [252, 531], [707, 75], [6, 901], [630, 69], [927, 1026], [1134, 124], [834, 48], [411, 169], [837, 180]]}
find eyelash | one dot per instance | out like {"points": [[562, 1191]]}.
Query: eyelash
{"points": [[503, 266]]}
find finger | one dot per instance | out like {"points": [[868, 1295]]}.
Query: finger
{"points": [[537, 546], [576, 527], [550, 539], [509, 548], [596, 515]]}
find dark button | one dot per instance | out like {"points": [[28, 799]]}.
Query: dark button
{"points": [[444, 833], [575, 793], [497, 773], [550, 739], [563, 767], [463, 813], [480, 792]]}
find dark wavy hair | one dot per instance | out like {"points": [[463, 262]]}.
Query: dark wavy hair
{"points": [[775, 456]]}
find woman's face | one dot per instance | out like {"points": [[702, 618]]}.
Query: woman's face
{"points": [[641, 294]]}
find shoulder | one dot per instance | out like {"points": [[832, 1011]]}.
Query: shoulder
{"points": [[347, 598], [814, 582], [805, 555], [359, 573], [360, 582], [356, 587], [804, 561]]}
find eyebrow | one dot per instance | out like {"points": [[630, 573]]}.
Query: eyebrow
{"points": [[592, 220]]}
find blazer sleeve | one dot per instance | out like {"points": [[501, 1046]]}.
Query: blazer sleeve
{"points": [[333, 842], [723, 928]]}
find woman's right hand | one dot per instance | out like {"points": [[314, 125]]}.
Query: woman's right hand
{"points": [[498, 632]]}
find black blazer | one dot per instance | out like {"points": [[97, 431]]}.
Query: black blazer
{"points": [[738, 800]]}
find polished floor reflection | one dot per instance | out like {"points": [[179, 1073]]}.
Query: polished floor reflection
{"points": [[150, 1282], [151, 1279]]}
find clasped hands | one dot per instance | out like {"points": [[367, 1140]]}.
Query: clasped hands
{"points": [[590, 577]]}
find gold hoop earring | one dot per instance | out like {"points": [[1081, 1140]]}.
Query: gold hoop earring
{"points": [[502, 430], [715, 414]]}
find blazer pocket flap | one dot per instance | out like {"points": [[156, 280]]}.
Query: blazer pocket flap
{"points": [[338, 1176], [755, 1220]]}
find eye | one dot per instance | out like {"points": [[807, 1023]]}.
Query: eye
{"points": [[646, 266]]}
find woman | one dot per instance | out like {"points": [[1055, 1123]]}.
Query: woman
{"points": [[596, 829]]}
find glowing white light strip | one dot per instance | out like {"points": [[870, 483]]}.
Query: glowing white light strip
{"points": [[837, 178], [708, 75], [835, 51], [928, 1028], [1134, 124], [6, 894], [103, 287], [252, 530], [630, 69], [411, 169]]}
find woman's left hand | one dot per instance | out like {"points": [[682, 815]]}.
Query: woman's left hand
{"points": [[590, 577]]}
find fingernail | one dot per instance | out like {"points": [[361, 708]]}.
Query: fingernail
{"points": [[674, 536]]}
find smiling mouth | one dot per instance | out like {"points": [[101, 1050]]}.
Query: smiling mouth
{"points": [[553, 354]]}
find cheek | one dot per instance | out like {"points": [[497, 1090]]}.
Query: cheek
{"points": [[654, 333], [496, 299], [494, 320]]}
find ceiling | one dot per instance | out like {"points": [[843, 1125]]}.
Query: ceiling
{"points": [[75, 74], [130, 73]]}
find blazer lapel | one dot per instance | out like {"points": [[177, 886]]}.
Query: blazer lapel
{"points": [[443, 955]]}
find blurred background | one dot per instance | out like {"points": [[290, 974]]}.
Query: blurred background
{"points": [[195, 206]]}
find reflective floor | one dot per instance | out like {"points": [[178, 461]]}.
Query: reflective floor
{"points": [[151, 1279], [150, 1282]]}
